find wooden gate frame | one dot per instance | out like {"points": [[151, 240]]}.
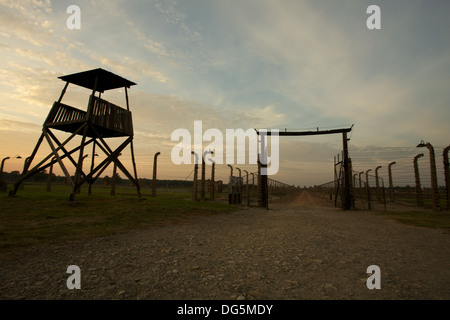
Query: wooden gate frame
{"points": [[348, 197]]}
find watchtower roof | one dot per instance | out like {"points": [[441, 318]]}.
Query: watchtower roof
{"points": [[106, 80]]}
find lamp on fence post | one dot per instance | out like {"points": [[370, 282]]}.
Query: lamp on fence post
{"points": [[417, 176], [447, 176], [3, 185], [377, 182], [391, 185], [1, 168], [368, 188], [154, 174], [434, 185], [195, 187]]}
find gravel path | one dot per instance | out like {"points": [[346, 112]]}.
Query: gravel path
{"points": [[301, 249]]}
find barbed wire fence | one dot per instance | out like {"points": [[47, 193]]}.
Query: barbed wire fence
{"points": [[403, 175], [380, 177]]}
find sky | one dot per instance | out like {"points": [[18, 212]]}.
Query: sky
{"points": [[285, 64]]}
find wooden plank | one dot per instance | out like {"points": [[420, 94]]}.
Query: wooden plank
{"points": [[112, 117], [55, 153]]}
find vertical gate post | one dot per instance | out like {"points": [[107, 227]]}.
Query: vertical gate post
{"points": [[347, 174], [263, 200], [419, 196]]}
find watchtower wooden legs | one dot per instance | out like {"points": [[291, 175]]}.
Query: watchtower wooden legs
{"points": [[112, 156]]}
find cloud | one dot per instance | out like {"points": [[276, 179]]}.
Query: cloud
{"points": [[27, 20], [166, 113], [134, 67], [267, 117], [34, 86], [22, 126], [52, 58], [335, 70], [239, 64]]}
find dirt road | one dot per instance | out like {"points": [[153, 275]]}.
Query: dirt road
{"points": [[301, 249]]}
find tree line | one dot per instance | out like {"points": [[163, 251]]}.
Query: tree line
{"points": [[42, 177]]}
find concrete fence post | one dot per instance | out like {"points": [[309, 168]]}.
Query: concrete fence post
{"points": [[419, 193], [447, 176], [154, 174], [391, 185]]}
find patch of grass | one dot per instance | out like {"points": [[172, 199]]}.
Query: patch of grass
{"points": [[36, 217], [427, 201], [428, 219]]}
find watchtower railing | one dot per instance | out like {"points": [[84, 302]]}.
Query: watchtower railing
{"points": [[103, 114], [63, 114], [111, 116]]}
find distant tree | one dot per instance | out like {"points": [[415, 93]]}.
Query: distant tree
{"points": [[117, 177]]}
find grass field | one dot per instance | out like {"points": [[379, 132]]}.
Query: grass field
{"points": [[35, 216], [428, 219]]}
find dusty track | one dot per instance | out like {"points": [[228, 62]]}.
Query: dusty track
{"points": [[300, 249]]}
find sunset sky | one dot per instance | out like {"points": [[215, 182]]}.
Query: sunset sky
{"points": [[236, 64]]}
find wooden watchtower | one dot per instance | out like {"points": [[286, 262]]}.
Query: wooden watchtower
{"points": [[101, 120]]}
